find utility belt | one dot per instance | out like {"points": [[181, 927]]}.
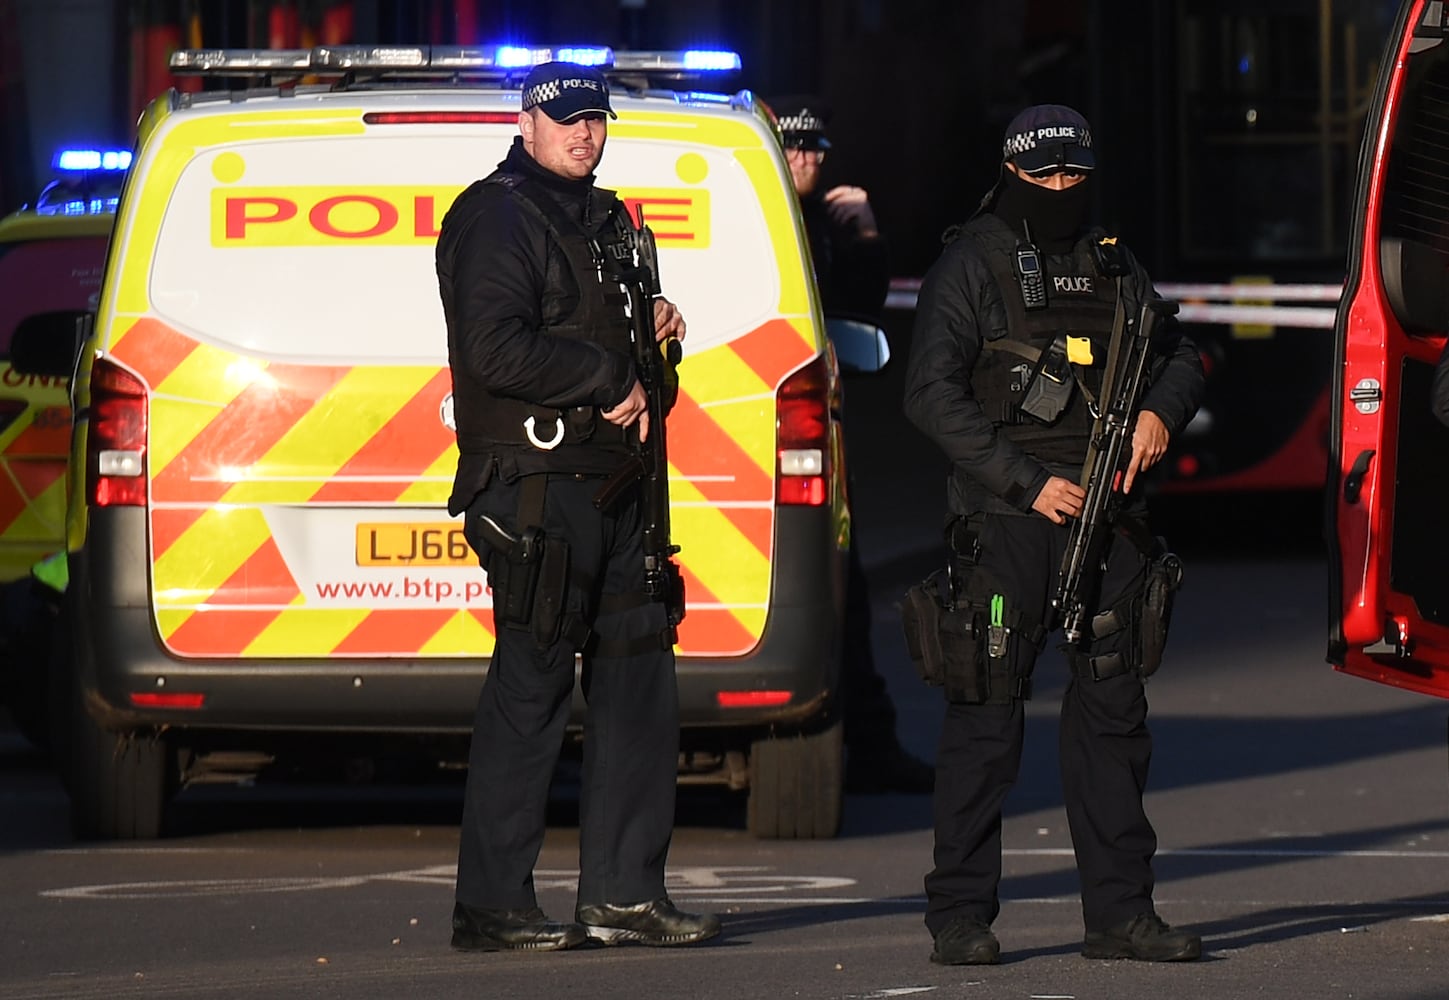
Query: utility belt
{"points": [[963, 632], [514, 422]]}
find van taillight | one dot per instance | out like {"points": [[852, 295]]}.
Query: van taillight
{"points": [[116, 440], [802, 436]]}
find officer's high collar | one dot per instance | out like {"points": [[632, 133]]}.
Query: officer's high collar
{"points": [[519, 162]]}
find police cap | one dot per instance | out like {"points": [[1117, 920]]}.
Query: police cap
{"points": [[1048, 138], [803, 119], [564, 91]]}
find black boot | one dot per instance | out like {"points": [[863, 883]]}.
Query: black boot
{"points": [[1146, 938], [966, 941], [657, 922], [507, 930]]}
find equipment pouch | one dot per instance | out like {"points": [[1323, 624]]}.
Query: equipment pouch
{"points": [[1050, 388], [1164, 577], [550, 592], [674, 603], [945, 640], [921, 612]]}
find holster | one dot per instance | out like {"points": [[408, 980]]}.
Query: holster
{"points": [[529, 575], [1164, 579]]}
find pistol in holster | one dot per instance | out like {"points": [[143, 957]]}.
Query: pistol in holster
{"points": [[528, 573]]}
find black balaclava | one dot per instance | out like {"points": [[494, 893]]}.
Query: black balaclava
{"points": [[1054, 218]]}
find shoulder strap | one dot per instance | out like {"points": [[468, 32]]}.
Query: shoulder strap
{"points": [[548, 211]]}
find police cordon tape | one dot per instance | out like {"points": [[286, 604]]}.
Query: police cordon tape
{"points": [[1210, 303]]}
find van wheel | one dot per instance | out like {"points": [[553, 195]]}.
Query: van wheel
{"points": [[119, 782], [797, 785]]}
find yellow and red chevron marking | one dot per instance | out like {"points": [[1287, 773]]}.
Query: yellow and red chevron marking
{"points": [[722, 483], [34, 450], [49, 439], [233, 436]]}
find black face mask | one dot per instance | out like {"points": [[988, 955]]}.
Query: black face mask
{"points": [[1054, 218]]}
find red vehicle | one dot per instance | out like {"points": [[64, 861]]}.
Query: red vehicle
{"points": [[1389, 469]]}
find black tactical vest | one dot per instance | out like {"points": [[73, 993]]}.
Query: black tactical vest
{"points": [[556, 440], [1081, 302]]}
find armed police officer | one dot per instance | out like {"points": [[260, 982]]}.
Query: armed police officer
{"points": [[548, 407], [853, 276], [1016, 322]]}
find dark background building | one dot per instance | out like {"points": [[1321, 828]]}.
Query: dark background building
{"points": [[1228, 128]]}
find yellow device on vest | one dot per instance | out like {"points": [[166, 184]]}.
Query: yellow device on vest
{"points": [[1079, 350]]}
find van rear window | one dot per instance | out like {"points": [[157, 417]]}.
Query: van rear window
{"points": [[322, 248], [47, 275]]}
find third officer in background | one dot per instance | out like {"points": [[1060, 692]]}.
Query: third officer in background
{"points": [[853, 276], [1022, 280]]}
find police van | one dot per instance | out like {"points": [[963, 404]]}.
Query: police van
{"points": [[52, 254], [260, 556], [1389, 464]]}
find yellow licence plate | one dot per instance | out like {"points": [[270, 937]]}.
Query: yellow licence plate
{"points": [[413, 543]]}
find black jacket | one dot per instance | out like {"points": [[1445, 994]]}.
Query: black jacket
{"points": [[959, 304], [503, 281], [851, 271]]}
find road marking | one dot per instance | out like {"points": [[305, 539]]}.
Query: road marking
{"points": [[714, 884], [1212, 852], [724, 884]]}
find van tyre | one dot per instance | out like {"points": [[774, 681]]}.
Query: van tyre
{"points": [[797, 785], [119, 782]]}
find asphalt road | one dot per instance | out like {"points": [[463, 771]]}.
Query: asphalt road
{"points": [[1301, 816]]}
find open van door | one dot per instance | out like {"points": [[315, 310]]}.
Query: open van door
{"points": [[1388, 487]]}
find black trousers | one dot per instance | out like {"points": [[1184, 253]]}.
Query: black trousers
{"points": [[631, 731], [1105, 749]]}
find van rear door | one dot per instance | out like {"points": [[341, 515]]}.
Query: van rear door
{"points": [[1389, 475], [277, 298]]}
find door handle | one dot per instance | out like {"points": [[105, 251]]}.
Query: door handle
{"points": [[1353, 482]]}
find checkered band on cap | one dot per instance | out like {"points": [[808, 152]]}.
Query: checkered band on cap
{"points": [[1020, 142], [805, 121], [545, 91], [1049, 137]]}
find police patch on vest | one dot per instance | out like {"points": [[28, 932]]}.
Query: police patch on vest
{"points": [[1074, 284]]}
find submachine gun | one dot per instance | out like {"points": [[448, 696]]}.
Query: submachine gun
{"points": [[655, 365], [1105, 467]]}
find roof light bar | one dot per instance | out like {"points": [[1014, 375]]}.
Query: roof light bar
{"points": [[82, 160], [486, 60], [241, 62]]}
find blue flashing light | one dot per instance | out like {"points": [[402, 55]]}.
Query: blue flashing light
{"points": [[588, 56], [703, 97], [80, 206], [711, 59], [514, 56], [93, 159]]}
